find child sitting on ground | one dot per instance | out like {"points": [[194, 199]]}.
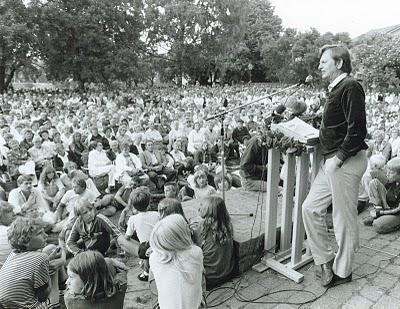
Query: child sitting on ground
{"points": [[385, 198], [201, 186], [122, 197], [171, 190], [137, 236], [214, 235], [95, 282], [187, 191], [176, 262], [218, 182], [169, 206], [91, 231]]}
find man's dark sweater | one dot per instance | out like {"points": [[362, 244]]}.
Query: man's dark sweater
{"points": [[343, 128]]}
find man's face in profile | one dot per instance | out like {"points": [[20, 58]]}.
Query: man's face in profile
{"points": [[328, 67]]}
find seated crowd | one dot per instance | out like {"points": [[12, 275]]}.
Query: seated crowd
{"points": [[105, 180]]}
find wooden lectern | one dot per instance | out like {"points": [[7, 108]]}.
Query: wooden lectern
{"points": [[292, 253]]}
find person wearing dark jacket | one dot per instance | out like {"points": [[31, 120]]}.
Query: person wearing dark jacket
{"points": [[90, 231], [253, 166], [238, 134]]}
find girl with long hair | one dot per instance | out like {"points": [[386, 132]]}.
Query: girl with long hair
{"points": [[95, 282], [51, 186], [214, 235], [76, 149]]}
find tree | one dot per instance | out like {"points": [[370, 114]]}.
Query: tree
{"points": [[377, 59], [191, 31], [90, 40], [16, 40], [278, 56], [260, 30]]}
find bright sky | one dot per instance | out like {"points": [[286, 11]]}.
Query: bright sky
{"points": [[353, 16]]}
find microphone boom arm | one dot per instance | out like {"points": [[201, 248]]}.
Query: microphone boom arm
{"points": [[252, 102]]}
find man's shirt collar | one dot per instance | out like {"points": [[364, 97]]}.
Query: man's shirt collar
{"points": [[336, 81]]}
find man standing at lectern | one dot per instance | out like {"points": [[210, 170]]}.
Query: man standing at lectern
{"points": [[342, 134]]}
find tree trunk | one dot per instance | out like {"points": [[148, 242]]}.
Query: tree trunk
{"points": [[81, 85], [9, 78], [2, 78]]}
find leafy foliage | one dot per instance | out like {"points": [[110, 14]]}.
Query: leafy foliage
{"points": [[377, 60], [16, 40], [89, 40], [205, 41]]}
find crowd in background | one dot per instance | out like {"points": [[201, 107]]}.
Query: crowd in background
{"points": [[61, 152]]}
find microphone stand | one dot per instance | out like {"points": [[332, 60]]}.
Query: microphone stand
{"points": [[221, 116]]}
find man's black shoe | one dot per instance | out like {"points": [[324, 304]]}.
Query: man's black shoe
{"points": [[339, 280]]}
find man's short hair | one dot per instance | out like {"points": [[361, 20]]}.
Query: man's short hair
{"points": [[22, 178], [80, 182], [339, 52], [140, 199]]}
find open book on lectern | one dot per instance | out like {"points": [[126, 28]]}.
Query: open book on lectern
{"points": [[299, 130]]}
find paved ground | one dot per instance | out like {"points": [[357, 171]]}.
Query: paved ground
{"points": [[375, 285]]}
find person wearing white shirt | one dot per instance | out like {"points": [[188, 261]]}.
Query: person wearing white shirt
{"points": [[181, 162], [195, 139], [395, 142], [100, 165], [128, 165], [152, 134], [176, 262], [29, 201]]}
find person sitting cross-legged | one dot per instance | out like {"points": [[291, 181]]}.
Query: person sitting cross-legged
{"points": [[91, 231], [139, 227], [385, 217], [128, 165], [154, 165]]}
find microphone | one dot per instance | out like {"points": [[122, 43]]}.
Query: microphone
{"points": [[309, 80]]}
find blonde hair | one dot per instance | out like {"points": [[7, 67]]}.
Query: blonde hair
{"points": [[170, 236], [82, 203], [197, 175], [377, 161]]}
